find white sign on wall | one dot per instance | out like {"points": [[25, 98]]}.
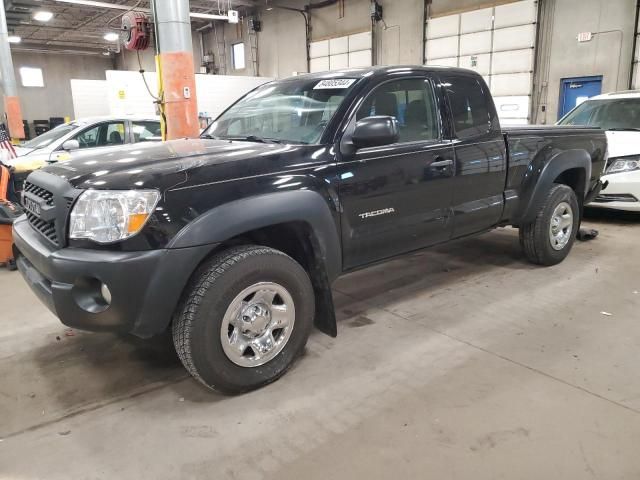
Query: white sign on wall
{"points": [[585, 37]]}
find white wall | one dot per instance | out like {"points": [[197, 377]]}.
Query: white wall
{"points": [[608, 54], [54, 100], [125, 93]]}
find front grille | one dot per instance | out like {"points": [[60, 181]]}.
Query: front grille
{"points": [[47, 200], [46, 228], [39, 192], [615, 197]]}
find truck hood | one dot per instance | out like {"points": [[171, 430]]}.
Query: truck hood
{"points": [[178, 163], [622, 144]]}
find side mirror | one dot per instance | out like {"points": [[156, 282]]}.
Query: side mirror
{"points": [[375, 131], [71, 145]]}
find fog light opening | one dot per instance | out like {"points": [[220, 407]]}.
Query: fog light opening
{"points": [[91, 294], [106, 293]]}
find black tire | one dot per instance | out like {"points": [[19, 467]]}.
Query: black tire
{"points": [[534, 237], [198, 320], [11, 265]]}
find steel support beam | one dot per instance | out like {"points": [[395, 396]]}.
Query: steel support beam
{"points": [[176, 68], [9, 87]]}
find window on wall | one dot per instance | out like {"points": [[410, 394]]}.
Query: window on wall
{"points": [[31, 77], [237, 50]]}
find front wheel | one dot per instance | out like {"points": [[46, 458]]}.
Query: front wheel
{"points": [[549, 238], [244, 319]]}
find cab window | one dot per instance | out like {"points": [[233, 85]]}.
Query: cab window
{"points": [[102, 135], [146, 132], [411, 102], [469, 108]]}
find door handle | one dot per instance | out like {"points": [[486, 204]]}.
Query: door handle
{"points": [[441, 164]]}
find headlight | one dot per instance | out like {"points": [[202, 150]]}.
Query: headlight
{"points": [[624, 164], [107, 216]]}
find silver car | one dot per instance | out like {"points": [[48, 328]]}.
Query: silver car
{"points": [[99, 133]]}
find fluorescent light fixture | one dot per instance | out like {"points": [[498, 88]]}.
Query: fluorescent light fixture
{"points": [[208, 16], [90, 3], [115, 6], [111, 37], [14, 39], [42, 16]]}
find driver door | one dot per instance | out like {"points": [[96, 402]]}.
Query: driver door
{"points": [[397, 198]]}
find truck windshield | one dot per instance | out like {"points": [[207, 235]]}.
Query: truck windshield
{"points": [[292, 111], [608, 114]]}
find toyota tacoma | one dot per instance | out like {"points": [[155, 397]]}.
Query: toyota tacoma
{"points": [[233, 240]]}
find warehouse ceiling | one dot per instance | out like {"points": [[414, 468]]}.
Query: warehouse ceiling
{"points": [[83, 27]]}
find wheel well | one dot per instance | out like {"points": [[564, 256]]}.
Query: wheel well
{"points": [[574, 178], [297, 240]]}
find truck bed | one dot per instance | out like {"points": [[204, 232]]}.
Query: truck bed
{"points": [[549, 129], [529, 147]]}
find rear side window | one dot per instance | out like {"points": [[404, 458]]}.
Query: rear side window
{"points": [[469, 106], [146, 132]]}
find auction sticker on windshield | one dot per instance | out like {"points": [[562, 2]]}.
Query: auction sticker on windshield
{"points": [[334, 83]]}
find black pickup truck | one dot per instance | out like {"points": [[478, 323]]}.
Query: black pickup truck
{"points": [[233, 240]]}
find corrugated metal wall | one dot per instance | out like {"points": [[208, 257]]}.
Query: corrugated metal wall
{"points": [[497, 42]]}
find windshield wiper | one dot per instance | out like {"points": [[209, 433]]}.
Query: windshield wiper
{"points": [[252, 138], [624, 129]]}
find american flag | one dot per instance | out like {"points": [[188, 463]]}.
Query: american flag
{"points": [[5, 142]]}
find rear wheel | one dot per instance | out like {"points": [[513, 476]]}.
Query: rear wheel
{"points": [[549, 238], [244, 319]]}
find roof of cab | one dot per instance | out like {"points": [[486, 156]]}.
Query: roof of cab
{"points": [[378, 71], [621, 95]]}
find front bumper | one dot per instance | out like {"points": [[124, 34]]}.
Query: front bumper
{"points": [[622, 193], [145, 286]]}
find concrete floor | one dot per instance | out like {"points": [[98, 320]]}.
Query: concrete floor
{"points": [[460, 362]]}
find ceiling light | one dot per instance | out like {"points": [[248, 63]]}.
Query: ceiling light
{"points": [[43, 16], [14, 39], [111, 37], [93, 3], [106, 53]]}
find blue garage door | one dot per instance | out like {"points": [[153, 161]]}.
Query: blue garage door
{"points": [[574, 91]]}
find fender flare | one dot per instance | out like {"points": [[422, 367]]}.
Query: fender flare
{"points": [[542, 173], [240, 216]]}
